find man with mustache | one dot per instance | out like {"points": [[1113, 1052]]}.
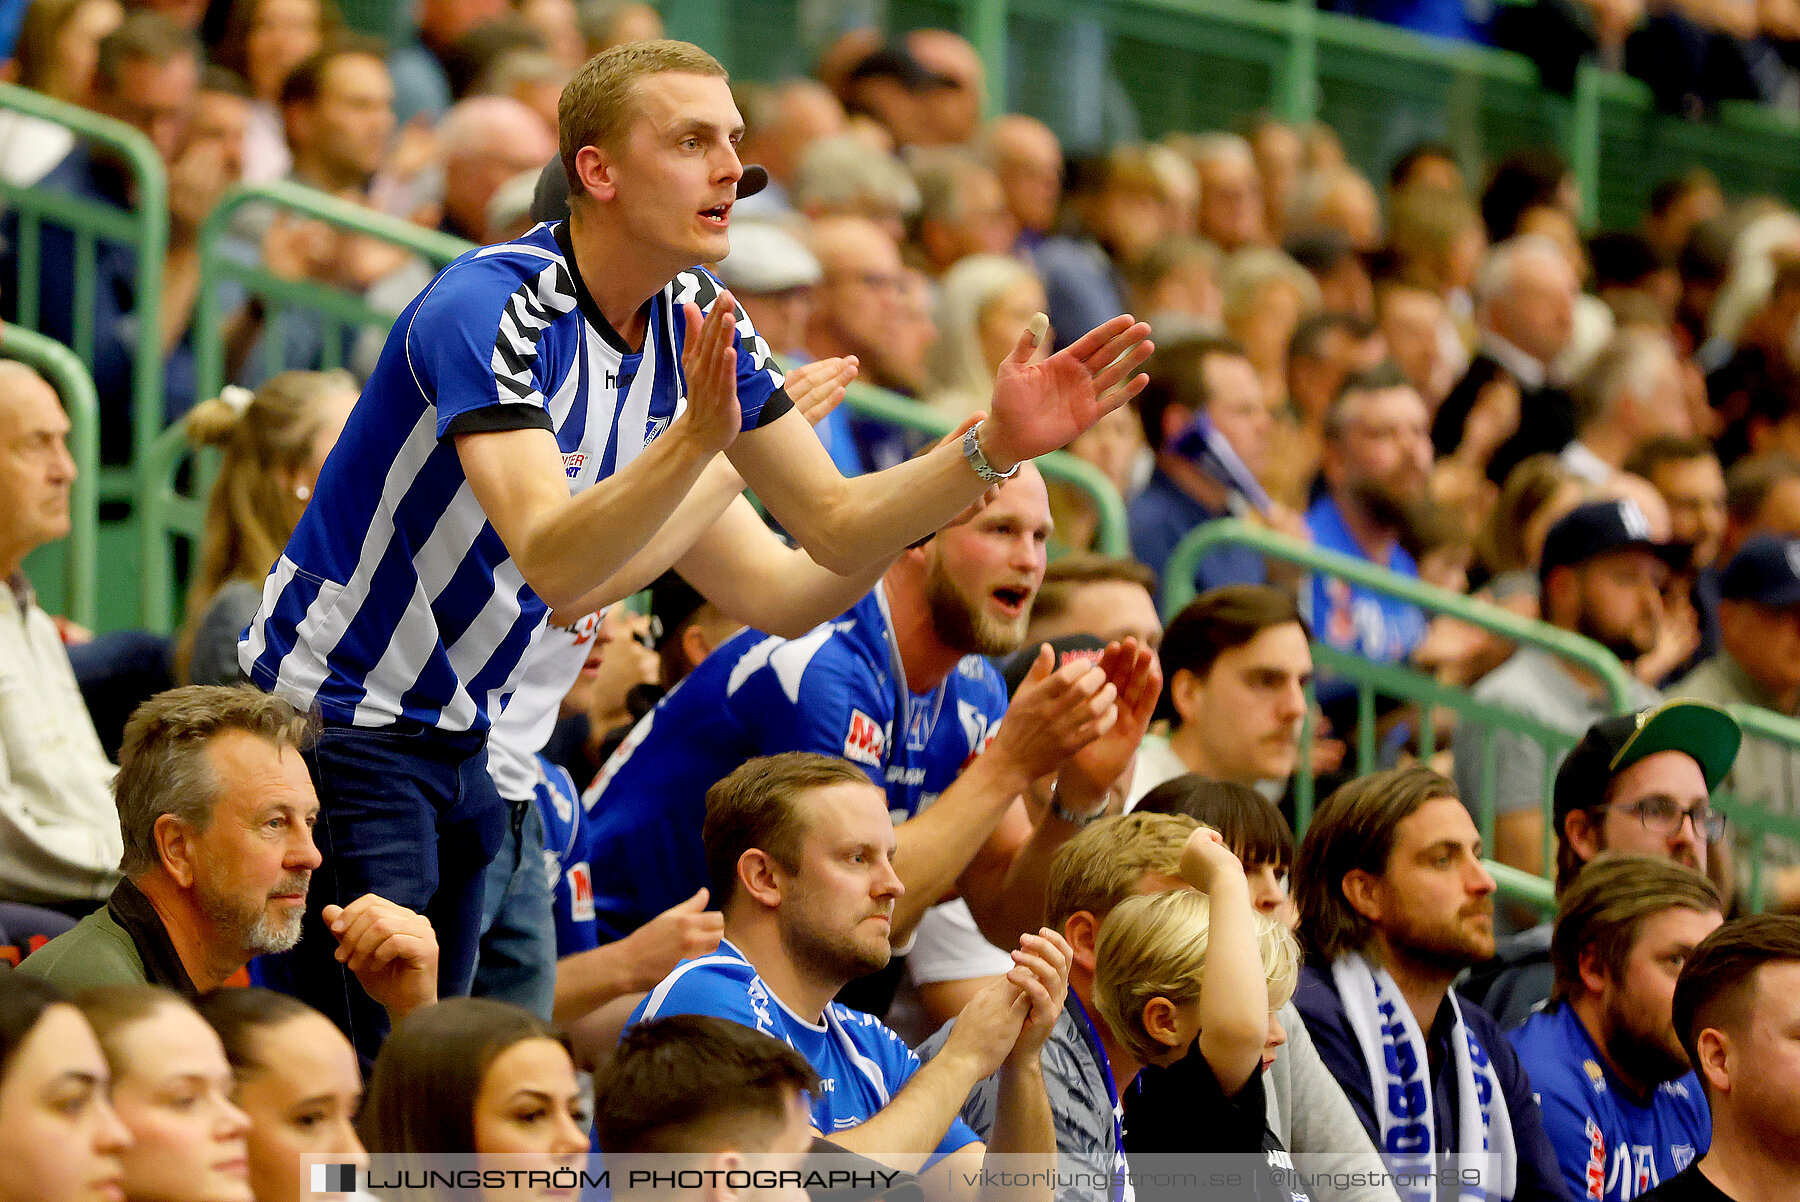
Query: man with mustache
{"points": [[1620, 1101], [1395, 903], [1603, 574], [217, 810]]}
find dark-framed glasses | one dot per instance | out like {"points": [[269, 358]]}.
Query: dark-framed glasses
{"points": [[1664, 816]]}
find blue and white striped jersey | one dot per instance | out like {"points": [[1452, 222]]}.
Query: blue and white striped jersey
{"points": [[395, 598]]}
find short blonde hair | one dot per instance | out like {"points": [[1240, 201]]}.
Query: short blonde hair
{"points": [[1154, 945], [598, 102], [1103, 864]]}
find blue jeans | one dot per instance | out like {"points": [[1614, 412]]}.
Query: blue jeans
{"points": [[517, 963], [409, 814]]}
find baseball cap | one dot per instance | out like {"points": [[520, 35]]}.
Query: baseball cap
{"points": [[672, 602], [1599, 528], [1068, 647], [1765, 571], [1698, 729], [765, 258]]}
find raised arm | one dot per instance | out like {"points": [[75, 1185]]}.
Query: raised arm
{"points": [[1004, 883], [1234, 989], [816, 389], [1054, 714], [753, 577], [567, 546], [1038, 406]]}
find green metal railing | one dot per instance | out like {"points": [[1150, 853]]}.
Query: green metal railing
{"points": [[172, 512], [1113, 533], [1478, 720], [337, 308], [144, 228], [78, 552], [1753, 821]]}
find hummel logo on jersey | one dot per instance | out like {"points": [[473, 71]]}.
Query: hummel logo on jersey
{"points": [[865, 742], [573, 462]]}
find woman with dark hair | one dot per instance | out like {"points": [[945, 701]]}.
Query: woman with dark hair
{"points": [[1251, 825], [473, 1075], [171, 1086], [297, 1078], [59, 1137]]}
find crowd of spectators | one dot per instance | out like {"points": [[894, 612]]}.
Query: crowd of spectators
{"points": [[929, 855]]}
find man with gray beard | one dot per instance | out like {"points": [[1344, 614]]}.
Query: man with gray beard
{"points": [[217, 808], [898, 686]]}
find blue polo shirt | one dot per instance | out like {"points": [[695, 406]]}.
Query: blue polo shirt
{"points": [[1613, 1147], [861, 1063], [1352, 618]]}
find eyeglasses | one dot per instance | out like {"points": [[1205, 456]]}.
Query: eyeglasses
{"points": [[1662, 816]]}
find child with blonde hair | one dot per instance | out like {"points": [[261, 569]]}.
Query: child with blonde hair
{"points": [[1194, 977]]}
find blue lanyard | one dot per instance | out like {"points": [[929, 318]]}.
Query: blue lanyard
{"points": [[1091, 1036]]}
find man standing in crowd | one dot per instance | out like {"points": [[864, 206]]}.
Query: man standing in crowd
{"points": [[59, 832], [1639, 785], [1620, 1102], [1603, 577], [800, 851], [898, 686], [1395, 904], [1758, 664], [1737, 1005], [1237, 661], [527, 433]]}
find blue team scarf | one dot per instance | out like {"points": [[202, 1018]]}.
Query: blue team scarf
{"points": [[1397, 1056]]}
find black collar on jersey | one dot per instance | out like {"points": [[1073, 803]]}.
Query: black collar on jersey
{"points": [[585, 299], [139, 920]]}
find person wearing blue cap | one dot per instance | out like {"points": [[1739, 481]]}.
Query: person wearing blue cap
{"points": [[1603, 574], [1758, 663]]}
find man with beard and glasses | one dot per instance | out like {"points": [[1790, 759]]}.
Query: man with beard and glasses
{"points": [[1603, 576], [1638, 785], [1395, 903], [801, 853], [898, 686], [217, 810], [1376, 466], [1620, 1101]]}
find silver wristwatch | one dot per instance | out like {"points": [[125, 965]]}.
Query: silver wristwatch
{"points": [[1072, 817], [971, 449]]}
